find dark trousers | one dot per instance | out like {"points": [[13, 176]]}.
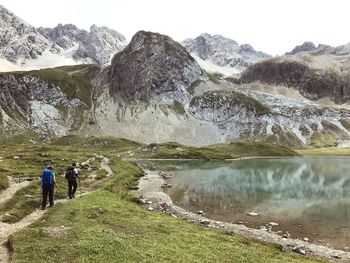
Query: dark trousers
{"points": [[72, 188], [47, 191]]}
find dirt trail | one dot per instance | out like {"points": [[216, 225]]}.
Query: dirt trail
{"points": [[104, 165], [12, 189], [8, 229]]}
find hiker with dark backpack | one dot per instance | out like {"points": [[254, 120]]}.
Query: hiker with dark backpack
{"points": [[48, 183], [72, 177]]}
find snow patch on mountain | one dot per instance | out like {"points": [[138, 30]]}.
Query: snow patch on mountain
{"points": [[210, 67], [6, 66], [49, 59]]}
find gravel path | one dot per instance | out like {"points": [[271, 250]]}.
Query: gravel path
{"points": [[8, 229]]}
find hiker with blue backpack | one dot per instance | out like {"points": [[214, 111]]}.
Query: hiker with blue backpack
{"points": [[48, 183]]}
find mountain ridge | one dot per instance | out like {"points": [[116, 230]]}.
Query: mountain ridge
{"points": [[34, 48]]}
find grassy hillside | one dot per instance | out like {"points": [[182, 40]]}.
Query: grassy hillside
{"points": [[324, 151], [108, 226], [218, 151]]}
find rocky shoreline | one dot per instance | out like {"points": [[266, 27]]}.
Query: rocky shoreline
{"points": [[152, 196]]}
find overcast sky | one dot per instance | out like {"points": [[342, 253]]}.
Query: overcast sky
{"points": [[272, 26]]}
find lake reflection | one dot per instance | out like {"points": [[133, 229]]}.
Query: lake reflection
{"points": [[309, 197]]}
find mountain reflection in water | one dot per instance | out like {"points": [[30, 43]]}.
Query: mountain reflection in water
{"points": [[313, 193]]}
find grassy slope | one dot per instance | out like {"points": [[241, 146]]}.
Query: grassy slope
{"points": [[30, 165], [107, 226], [218, 151], [64, 150], [324, 151]]}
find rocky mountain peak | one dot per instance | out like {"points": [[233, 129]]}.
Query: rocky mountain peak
{"points": [[23, 45], [152, 66], [308, 46], [215, 51], [18, 40], [100, 44], [65, 36]]}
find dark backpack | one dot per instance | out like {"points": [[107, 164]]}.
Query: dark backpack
{"points": [[70, 174]]}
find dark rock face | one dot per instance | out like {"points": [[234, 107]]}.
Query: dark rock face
{"points": [[308, 46], [152, 66], [312, 84]]}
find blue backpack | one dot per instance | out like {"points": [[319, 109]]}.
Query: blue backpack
{"points": [[47, 178]]}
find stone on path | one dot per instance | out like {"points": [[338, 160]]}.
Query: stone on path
{"points": [[252, 214]]}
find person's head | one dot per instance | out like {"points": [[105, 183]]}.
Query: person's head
{"points": [[50, 167], [74, 164], [48, 163]]}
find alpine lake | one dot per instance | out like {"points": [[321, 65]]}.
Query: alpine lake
{"points": [[308, 197]]}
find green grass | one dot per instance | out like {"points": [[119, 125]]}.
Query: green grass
{"points": [[324, 151], [214, 79], [107, 226], [191, 89], [75, 81], [4, 183], [323, 139], [30, 165], [178, 108], [219, 151]]}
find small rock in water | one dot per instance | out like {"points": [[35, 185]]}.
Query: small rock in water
{"points": [[252, 214], [240, 222], [150, 208], [306, 239], [149, 202], [16, 157], [200, 212], [273, 224]]}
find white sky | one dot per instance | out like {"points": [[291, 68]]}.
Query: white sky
{"points": [[272, 26]]}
